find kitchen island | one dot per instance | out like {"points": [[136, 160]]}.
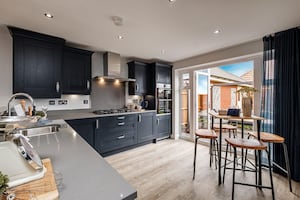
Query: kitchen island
{"points": [[85, 174]]}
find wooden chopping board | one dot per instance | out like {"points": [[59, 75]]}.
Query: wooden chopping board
{"points": [[41, 189]]}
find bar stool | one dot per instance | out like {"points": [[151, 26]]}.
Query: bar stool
{"points": [[252, 144], [276, 139], [227, 127], [207, 134]]}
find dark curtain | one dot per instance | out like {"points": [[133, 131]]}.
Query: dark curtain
{"points": [[287, 97]]}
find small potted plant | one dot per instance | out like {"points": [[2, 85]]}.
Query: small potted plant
{"points": [[3, 184], [247, 95]]}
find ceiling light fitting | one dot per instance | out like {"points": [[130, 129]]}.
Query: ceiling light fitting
{"points": [[120, 37], [172, 1], [217, 31], [48, 15]]}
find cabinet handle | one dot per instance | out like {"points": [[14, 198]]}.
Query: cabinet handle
{"points": [[57, 86], [88, 84], [136, 87], [123, 117], [97, 123], [121, 137], [139, 118], [121, 123], [157, 121]]}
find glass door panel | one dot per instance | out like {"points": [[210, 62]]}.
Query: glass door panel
{"points": [[185, 104], [203, 97]]}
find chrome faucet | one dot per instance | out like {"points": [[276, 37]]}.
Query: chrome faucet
{"points": [[20, 94]]}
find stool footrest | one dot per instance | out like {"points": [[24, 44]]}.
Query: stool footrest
{"points": [[253, 185]]}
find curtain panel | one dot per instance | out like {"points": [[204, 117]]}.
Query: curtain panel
{"points": [[287, 97]]}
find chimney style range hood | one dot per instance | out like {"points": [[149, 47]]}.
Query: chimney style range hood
{"points": [[112, 68]]}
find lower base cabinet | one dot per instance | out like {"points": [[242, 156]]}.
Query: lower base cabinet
{"points": [[85, 128], [115, 132], [163, 126], [146, 127]]}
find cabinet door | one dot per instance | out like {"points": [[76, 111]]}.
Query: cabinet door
{"points": [[138, 71], [37, 67], [145, 127], [76, 71], [85, 128], [163, 74], [163, 126]]}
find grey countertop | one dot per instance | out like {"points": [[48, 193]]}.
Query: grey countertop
{"points": [[85, 174], [82, 114]]}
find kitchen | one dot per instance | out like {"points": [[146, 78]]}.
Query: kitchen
{"points": [[114, 108]]}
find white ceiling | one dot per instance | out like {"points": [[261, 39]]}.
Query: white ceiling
{"points": [[183, 29]]}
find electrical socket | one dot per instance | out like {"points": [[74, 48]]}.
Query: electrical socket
{"points": [[85, 101], [51, 102], [62, 102]]}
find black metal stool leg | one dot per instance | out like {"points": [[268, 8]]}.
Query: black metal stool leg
{"points": [[270, 172], [210, 152], [255, 154], [233, 176], [287, 164], [225, 162], [195, 155]]}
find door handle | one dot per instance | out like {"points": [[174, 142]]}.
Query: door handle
{"points": [[88, 84], [139, 118], [121, 137], [97, 123], [57, 87], [121, 123], [123, 117], [157, 121], [136, 87]]}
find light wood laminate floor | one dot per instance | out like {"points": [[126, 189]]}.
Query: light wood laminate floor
{"points": [[163, 171]]}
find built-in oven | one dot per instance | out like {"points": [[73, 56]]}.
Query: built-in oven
{"points": [[164, 98]]}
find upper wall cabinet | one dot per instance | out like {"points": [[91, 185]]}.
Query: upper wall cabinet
{"points": [[143, 75], [163, 72], [76, 73], [37, 61]]}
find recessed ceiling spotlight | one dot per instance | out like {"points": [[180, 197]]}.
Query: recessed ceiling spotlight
{"points": [[217, 31], [172, 1], [120, 37], [48, 15]]}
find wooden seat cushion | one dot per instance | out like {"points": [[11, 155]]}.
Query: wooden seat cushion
{"points": [[205, 133], [268, 137], [225, 126], [246, 143]]}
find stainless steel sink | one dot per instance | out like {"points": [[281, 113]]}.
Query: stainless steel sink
{"points": [[36, 131], [13, 119]]}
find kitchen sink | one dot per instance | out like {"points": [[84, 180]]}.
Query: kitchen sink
{"points": [[36, 131]]}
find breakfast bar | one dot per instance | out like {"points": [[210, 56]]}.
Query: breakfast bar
{"points": [[242, 118]]}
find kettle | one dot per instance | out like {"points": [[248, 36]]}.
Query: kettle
{"points": [[144, 104]]}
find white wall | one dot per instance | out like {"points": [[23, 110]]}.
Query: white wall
{"points": [[5, 66]]}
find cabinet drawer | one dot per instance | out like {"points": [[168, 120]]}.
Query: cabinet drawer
{"points": [[109, 140], [117, 121]]}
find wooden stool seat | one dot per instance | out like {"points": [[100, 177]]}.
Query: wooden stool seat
{"points": [[205, 133], [225, 126], [268, 137], [246, 143]]}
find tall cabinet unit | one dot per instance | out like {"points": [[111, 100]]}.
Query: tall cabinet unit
{"points": [[37, 61], [163, 98], [76, 71]]}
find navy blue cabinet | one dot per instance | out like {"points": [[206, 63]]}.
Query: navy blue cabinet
{"points": [[37, 62], [85, 128], [163, 125], [76, 71], [115, 132], [146, 127]]}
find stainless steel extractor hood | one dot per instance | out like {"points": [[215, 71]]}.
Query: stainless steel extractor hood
{"points": [[112, 68]]}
